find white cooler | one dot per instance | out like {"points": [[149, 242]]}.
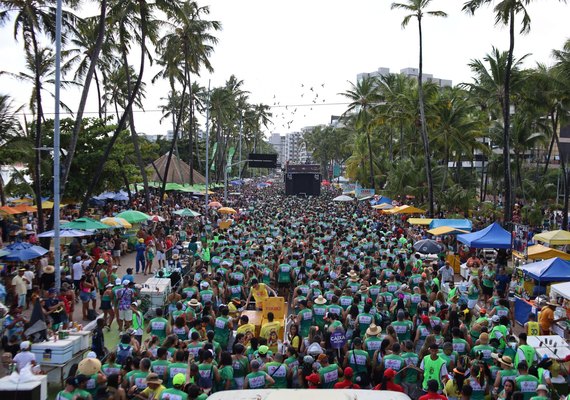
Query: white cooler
{"points": [[76, 340], [85, 339], [52, 352], [157, 289]]}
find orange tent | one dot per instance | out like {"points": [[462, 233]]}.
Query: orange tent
{"points": [[10, 210]]}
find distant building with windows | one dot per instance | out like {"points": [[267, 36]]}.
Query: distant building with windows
{"points": [[409, 72], [290, 147]]}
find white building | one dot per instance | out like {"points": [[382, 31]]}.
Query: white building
{"points": [[290, 147], [409, 72]]}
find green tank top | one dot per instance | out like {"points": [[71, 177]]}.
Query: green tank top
{"points": [[329, 376], [278, 371], [173, 369], [357, 360], [221, 331], [158, 327], [240, 367], [256, 380]]}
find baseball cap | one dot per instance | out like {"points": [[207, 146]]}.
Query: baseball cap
{"points": [[141, 240], [204, 284], [91, 354], [495, 318], [179, 380], [348, 372], [390, 373], [118, 281], [100, 261], [25, 345], [263, 349], [308, 359], [432, 309], [126, 282]]}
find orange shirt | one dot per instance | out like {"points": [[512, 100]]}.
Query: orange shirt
{"points": [[545, 318]]}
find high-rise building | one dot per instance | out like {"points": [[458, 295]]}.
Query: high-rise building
{"points": [[409, 72], [290, 147]]}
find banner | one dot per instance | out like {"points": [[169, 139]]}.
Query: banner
{"points": [[336, 170], [520, 239], [362, 192], [213, 168], [230, 158]]}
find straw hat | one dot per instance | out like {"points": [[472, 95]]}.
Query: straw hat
{"points": [[175, 257], [373, 330], [193, 303], [505, 360], [153, 378], [320, 300], [352, 274], [364, 289], [89, 366], [48, 269]]}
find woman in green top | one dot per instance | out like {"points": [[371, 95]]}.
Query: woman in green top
{"points": [[240, 365], [226, 371], [473, 293]]}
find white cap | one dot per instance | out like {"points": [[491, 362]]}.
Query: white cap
{"points": [[91, 354], [25, 345], [126, 282], [204, 284], [432, 309], [118, 281]]}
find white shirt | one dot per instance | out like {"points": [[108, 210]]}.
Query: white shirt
{"points": [[29, 275], [23, 358], [77, 271], [446, 273]]}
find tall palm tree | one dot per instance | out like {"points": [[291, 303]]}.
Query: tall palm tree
{"points": [[506, 12], [363, 98], [417, 8], [9, 127]]}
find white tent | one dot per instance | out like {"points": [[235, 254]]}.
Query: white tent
{"points": [[343, 198], [560, 290]]}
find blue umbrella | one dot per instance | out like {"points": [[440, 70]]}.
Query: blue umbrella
{"points": [[20, 251], [66, 233]]}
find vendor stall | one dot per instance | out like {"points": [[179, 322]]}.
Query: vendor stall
{"points": [[492, 237], [540, 252]]}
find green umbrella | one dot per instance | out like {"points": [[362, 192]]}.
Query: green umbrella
{"points": [[173, 186], [84, 223], [133, 216], [186, 212]]}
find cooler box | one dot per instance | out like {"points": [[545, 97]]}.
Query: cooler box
{"points": [[52, 352], [85, 339], [76, 340], [157, 289], [278, 307]]}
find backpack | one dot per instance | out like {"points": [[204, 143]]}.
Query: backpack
{"points": [[123, 353]]}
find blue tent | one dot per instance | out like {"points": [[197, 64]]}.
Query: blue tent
{"points": [[464, 224], [551, 270], [492, 237]]}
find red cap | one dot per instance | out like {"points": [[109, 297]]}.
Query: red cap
{"points": [[425, 319], [390, 373], [348, 372], [313, 378], [369, 300]]}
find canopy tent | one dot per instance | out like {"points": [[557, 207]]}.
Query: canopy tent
{"points": [[492, 237], [381, 200], [178, 171], [463, 224], [445, 230], [540, 252], [405, 210], [10, 210], [560, 290], [382, 206], [557, 237], [551, 270], [419, 221], [342, 198]]}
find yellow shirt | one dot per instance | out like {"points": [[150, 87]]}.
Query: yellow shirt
{"points": [[260, 294], [153, 394], [246, 328], [545, 318], [268, 327]]}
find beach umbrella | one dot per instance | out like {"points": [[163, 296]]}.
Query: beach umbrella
{"points": [[26, 208], [428, 246], [156, 218], [186, 212], [10, 210], [4, 252], [66, 233], [215, 204], [343, 198], [133, 216], [116, 222], [21, 251], [85, 223], [227, 210]]}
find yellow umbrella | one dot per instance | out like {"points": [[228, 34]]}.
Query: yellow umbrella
{"points": [[406, 210], [23, 201], [419, 221], [540, 252], [227, 210], [47, 204], [446, 230], [557, 237], [117, 221]]}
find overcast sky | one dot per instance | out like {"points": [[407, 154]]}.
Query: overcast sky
{"points": [[282, 49]]}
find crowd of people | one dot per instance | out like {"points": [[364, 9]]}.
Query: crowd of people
{"points": [[364, 310]]}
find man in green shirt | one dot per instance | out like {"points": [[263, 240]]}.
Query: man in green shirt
{"points": [[223, 326], [80, 387], [304, 319], [159, 326], [278, 370], [394, 360], [402, 327], [178, 382], [542, 393], [68, 393], [359, 361], [525, 383], [176, 367], [257, 379], [507, 372], [319, 311], [483, 350], [328, 374], [160, 365], [433, 367]]}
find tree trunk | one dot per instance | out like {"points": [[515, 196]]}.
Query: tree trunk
{"points": [[424, 132], [121, 124], [191, 136], [83, 101], [370, 162], [508, 201], [38, 134], [2, 194]]}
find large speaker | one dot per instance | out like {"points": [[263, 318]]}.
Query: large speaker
{"points": [[303, 184]]}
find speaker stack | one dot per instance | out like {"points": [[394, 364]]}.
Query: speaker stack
{"points": [[303, 180]]}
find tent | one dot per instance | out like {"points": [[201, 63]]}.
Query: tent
{"points": [[463, 224], [540, 252], [551, 270], [381, 200], [560, 290], [492, 237], [178, 171], [557, 237], [419, 221], [406, 210], [445, 230]]}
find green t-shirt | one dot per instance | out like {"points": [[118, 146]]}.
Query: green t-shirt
{"points": [[173, 369], [526, 384], [64, 395], [278, 371], [357, 360], [410, 375], [221, 331], [306, 317], [173, 394], [158, 327], [226, 373], [329, 376], [256, 380], [159, 367]]}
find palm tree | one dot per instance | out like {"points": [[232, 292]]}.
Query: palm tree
{"points": [[363, 98], [417, 8], [505, 14], [9, 128]]}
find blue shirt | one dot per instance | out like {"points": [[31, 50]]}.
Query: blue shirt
{"points": [[128, 278], [140, 248]]}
